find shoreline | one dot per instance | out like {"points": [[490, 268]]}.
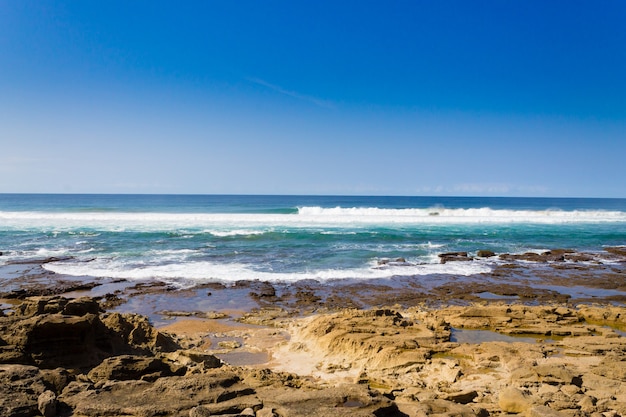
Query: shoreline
{"points": [[537, 336], [555, 276]]}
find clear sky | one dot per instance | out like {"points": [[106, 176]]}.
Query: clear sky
{"points": [[497, 98]]}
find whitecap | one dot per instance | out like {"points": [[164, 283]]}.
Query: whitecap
{"points": [[203, 271]]}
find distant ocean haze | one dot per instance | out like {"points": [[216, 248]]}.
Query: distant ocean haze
{"points": [[186, 240]]}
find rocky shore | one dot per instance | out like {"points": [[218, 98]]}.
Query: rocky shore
{"points": [[68, 357], [551, 342]]}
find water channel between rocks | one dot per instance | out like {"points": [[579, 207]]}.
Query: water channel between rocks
{"points": [[481, 336]]}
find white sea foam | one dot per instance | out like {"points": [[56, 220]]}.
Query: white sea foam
{"points": [[227, 224], [237, 232], [454, 216], [191, 273]]}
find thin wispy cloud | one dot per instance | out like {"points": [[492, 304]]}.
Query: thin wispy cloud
{"points": [[314, 100]]}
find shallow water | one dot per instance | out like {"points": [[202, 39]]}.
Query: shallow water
{"points": [[481, 336], [232, 301], [491, 296]]}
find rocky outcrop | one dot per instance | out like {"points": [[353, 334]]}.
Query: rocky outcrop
{"points": [[217, 393], [118, 364], [52, 332], [525, 360], [554, 255], [541, 360]]}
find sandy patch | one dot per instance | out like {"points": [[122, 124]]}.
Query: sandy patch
{"points": [[195, 327]]}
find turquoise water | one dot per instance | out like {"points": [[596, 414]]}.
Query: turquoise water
{"points": [[195, 239]]}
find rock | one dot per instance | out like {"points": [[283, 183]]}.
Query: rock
{"points": [[440, 407], [396, 261], [20, 388], [81, 306], [556, 374], [55, 340], [135, 330], [554, 255], [485, 253], [453, 257], [266, 412], [229, 344], [542, 411], [587, 404], [215, 393], [512, 400], [341, 400], [190, 357], [463, 397], [42, 332], [127, 367], [47, 404], [616, 250], [406, 354], [199, 411], [56, 379], [263, 290]]}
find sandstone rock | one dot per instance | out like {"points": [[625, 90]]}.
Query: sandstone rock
{"points": [[47, 404], [56, 304], [56, 379], [20, 388], [341, 400], [190, 357], [229, 344], [126, 367], [134, 330], [542, 411], [587, 404], [41, 333], [440, 407], [512, 400], [557, 374], [199, 411], [485, 253], [406, 355], [463, 397], [220, 393], [266, 412]]}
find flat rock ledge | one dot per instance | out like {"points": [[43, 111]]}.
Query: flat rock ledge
{"points": [[61, 357]]}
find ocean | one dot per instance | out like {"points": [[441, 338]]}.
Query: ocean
{"points": [[186, 240]]}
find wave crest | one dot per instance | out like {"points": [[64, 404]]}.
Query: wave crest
{"points": [[461, 215]]}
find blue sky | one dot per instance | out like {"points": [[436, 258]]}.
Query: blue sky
{"points": [[504, 98]]}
